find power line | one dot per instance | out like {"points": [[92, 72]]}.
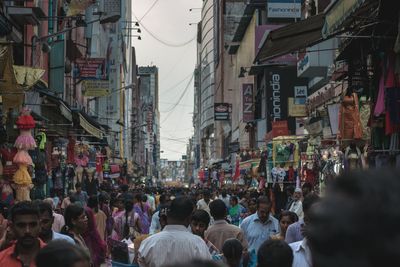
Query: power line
{"points": [[179, 99], [162, 41], [148, 10], [179, 83]]}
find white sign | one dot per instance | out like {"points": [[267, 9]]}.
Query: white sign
{"points": [[284, 10]]}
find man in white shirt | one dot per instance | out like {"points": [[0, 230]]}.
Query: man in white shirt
{"points": [[203, 203], [175, 244], [297, 205], [150, 199]]}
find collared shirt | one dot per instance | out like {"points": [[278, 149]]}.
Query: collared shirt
{"points": [[293, 233], [10, 258], [175, 244], [58, 223], [297, 207], [58, 236], [257, 232], [301, 254], [220, 231], [155, 223]]}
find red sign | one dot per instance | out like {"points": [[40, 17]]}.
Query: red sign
{"points": [[280, 128], [248, 102]]}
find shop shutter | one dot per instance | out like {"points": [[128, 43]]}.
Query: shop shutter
{"points": [[57, 66]]}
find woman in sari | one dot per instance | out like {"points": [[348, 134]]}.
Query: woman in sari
{"points": [[144, 212]]}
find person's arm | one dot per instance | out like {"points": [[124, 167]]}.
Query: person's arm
{"points": [[290, 234]]}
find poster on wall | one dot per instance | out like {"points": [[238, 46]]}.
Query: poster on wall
{"points": [[248, 102]]}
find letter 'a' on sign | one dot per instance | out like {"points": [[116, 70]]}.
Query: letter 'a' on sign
{"points": [[248, 102]]}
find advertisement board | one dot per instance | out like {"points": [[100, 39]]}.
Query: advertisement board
{"points": [[248, 102], [284, 8], [221, 111], [96, 88], [90, 69]]}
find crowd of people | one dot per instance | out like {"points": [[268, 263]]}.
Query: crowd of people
{"points": [[353, 224]]}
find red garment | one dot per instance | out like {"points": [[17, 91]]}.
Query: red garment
{"points": [[71, 151], [99, 162], [9, 257], [310, 176], [7, 155], [25, 122], [291, 174]]}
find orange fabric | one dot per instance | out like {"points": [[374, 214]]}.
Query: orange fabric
{"points": [[349, 118], [10, 259]]}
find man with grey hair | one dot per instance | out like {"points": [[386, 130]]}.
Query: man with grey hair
{"points": [[59, 221]]}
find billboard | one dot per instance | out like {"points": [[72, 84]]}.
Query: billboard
{"points": [[248, 102], [282, 86], [96, 88], [221, 111], [284, 8], [90, 69]]}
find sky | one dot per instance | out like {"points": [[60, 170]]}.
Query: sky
{"points": [[168, 21]]}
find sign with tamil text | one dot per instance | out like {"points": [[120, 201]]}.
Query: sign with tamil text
{"points": [[96, 88]]}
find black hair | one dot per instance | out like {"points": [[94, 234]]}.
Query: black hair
{"points": [[263, 200], [290, 190], [274, 253], [93, 203], [180, 209], [307, 185], [356, 224], [223, 193], [124, 188], [72, 212], [78, 184], [45, 207], [206, 193], [232, 250], [308, 201], [201, 216], [218, 209], [24, 208], [235, 198], [163, 198], [292, 215], [60, 253], [103, 197]]}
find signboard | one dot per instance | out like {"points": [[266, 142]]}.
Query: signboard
{"points": [[96, 88], [90, 69], [296, 110], [280, 128], [284, 8], [282, 84], [248, 102], [221, 111]]}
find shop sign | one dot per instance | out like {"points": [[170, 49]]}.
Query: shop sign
{"points": [[296, 110], [96, 88], [280, 128], [248, 102], [90, 69], [90, 128], [221, 111], [284, 8], [321, 98]]}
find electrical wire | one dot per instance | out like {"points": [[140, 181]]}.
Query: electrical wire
{"points": [[179, 99], [179, 83], [167, 43], [148, 10]]}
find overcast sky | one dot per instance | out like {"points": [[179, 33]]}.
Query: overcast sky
{"points": [[169, 22]]}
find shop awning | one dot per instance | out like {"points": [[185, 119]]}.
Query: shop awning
{"points": [[337, 13], [90, 126], [292, 37]]}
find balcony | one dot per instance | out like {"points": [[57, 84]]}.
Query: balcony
{"points": [[25, 15]]}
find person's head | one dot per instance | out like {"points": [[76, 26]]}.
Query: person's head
{"points": [[253, 205], [297, 194], [232, 250], [162, 215], [104, 198], [128, 205], [308, 202], [76, 219], [223, 193], [233, 201], [180, 210], [50, 201], [274, 253], [164, 199], [25, 223], [199, 222], [286, 218], [93, 203], [218, 209], [124, 188], [290, 190], [78, 187], [206, 195], [356, 223], [61, 253], [138, 198], [119, 203], [306, 189], [46, 218], [263, 208]]}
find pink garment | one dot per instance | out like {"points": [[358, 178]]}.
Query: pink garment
{"points": [[58, 223], [380, 102], [82, 161], [22, 157], [25, 140]]}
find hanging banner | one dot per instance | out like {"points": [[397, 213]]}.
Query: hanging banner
{"points": [[96, 88], [248, 102], [90, 69], [280, 128]]}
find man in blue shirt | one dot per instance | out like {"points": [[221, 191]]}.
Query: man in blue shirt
{"points": [[260, 226]]}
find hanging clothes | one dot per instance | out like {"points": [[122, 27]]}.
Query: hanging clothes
{"points": [[349, 118]]}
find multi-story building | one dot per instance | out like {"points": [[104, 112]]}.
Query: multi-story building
{"points": [[150, 118]]}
